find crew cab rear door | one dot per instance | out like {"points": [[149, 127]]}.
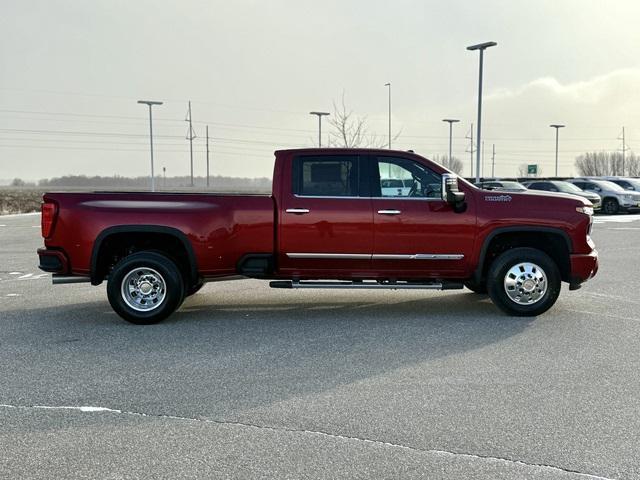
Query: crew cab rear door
{"points": [[416, 233], [326, 220]]}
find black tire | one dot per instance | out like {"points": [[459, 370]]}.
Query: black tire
{"points": [[480, 288], [511, 258], [146, 270], [610, 206]]}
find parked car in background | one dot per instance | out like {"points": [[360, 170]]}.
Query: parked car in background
{"points": [[615, 199], [565, 187], [632, 184], [393, 187], [503, 185]]}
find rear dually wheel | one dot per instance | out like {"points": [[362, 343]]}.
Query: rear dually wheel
{"points": [[145, 288]]}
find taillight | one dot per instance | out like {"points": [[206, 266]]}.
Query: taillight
{"points": [[49, 211]]}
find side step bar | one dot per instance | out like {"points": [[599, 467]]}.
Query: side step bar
{"points": [[62, 279], [366, 284]]}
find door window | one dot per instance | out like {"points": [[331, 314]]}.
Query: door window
{"points": [[403, 178]]}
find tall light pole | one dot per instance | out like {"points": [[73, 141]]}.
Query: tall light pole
{"points": [[482, 47], [389, 85], [557, 127], [450, 121], [150, 103], [320, 115]]}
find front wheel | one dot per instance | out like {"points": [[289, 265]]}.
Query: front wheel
{"points": [[145, 288], [610, 206], [524, 282]]}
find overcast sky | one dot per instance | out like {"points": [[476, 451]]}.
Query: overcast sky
{"points": [[71, 72]]}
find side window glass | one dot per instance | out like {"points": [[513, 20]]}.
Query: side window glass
{"points": [[326, 176], [403, 178]]}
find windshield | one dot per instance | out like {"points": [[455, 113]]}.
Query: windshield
{"points": [[512, 185], [567, 187], [607, 185], [635, 182]]}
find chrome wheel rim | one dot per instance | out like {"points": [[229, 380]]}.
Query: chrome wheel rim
{"points": [[143, 289], [525, 283]]}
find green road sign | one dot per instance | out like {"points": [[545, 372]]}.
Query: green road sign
{"points": [[532, 169]]}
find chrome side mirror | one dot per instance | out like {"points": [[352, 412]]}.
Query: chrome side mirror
{"points": [[451, 193]]}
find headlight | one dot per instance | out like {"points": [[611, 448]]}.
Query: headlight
{"points": [[628, 197], [585, 210]]}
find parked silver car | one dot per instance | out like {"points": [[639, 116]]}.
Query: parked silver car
{"points": [[565, 187], [615, 199], [632, 184]]}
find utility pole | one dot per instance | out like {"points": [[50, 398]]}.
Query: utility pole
{"points": [[483, 158], [450, 121], [150, 103], [471, 150], [320, 115], [190, 136], [557, 127], [207, 129], [481, 47], [624, 150], [389, 85], [493, 162]]}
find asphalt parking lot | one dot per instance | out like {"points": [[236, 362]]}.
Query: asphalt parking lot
{"points": [[248, 382]]}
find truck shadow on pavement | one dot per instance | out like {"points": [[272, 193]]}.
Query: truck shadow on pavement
{"points": [[238, 355]]}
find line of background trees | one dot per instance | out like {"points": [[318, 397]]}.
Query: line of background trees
{"points": [[608, 163]]}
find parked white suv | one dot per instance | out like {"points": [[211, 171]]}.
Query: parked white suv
{"points": [[632, 184], [615, 199]]}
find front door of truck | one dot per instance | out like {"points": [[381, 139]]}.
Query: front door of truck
{"points": [[416, 233], [325, 217]]}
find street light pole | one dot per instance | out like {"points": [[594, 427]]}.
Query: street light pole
{"points": [[482, 47], [389, 85], [450, 121], [320, 115], [557, 127], [150, 103]]}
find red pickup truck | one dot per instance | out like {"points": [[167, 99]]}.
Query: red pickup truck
{"points": [[333, 220]]}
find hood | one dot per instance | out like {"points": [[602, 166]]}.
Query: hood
{"points": [[531, 195]]}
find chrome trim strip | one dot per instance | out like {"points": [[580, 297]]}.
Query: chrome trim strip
{"points": [[341, 256], [389, 212], [380, 256], [422, 199], [418, 256]]}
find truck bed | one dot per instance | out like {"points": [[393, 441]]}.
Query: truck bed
{"points": [[220, 227]]}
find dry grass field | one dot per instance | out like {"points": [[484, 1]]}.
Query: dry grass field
{"points": [[19, 200]]}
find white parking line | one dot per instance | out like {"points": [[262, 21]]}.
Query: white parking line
{"points": [[13, 295], [26, 275], [15, 273], [11, 215]]}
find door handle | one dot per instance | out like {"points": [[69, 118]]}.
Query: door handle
{"points": [[389, 212], [298, 211]]}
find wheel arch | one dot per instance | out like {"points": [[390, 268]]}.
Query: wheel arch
{"points": [[555, 242], [99, 265]]}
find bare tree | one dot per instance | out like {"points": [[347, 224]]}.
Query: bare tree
{"points": [[350, 131], [607, 163], [455, 164]]}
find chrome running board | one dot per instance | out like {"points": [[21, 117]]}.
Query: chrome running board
{"points": [[365, 284]]}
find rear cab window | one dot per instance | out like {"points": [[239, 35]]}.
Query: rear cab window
{"points": [[327, 176]]}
